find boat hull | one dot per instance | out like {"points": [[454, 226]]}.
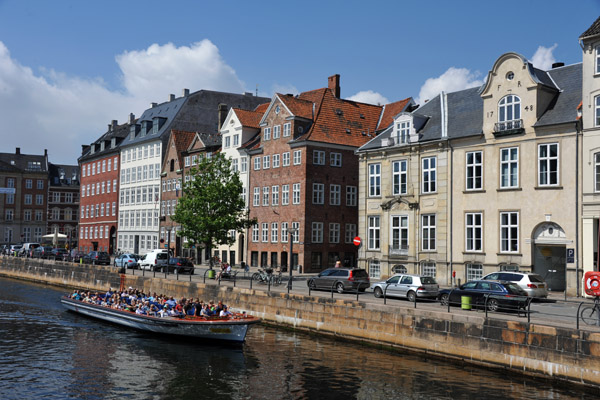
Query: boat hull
{"points": [[230, 330]]}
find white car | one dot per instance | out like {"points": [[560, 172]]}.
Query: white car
{"points": [[155, 260], [533, 284]]}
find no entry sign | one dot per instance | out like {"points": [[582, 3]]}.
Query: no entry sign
{"points": [[357, 241]]}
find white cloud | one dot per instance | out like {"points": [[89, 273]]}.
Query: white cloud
{"points": [[543, 57], [452, 80], [370, 97], [54, 111]]}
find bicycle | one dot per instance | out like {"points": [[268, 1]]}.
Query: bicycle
{"points": [[591, 314]]}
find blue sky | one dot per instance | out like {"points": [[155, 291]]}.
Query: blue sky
{"points": [[69, 67]]}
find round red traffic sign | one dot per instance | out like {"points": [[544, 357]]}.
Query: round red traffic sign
{"points": [[357, 241]]}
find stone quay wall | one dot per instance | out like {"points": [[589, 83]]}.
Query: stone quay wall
{"points": [[558, 353]]}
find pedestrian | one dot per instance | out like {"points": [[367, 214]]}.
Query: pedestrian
{"points": [[338, 264]]}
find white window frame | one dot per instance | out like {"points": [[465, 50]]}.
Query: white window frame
{"points": [[548, 165], [335, 195], [429, 175], [318, 196], [266, 162], [399, 232], [276, 132], [267, 133], [297, 157], [296, 193], [474, 232], [374, 234], [428, 268], [285, 195], [265, 193], [506, 167], [317, 232], [400, 177], [285, 159], [256, 198], [335, 159], [334, 232], [255, 233], [474, 271], [287, 129], [351, 196], [318, 157], [597, 172], [265, 232], [284, 232], [257, 162], [509, 109], [275, 195], [274, 232], [402, 132], [276, 160], [349, 233], [474, 170], [428, 232], [374, 180], [509, 232]]}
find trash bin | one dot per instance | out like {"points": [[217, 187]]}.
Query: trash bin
{"points": [[465, 302], [211, 274]]}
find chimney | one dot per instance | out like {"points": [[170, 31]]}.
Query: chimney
{"points": [[152, 105], [131, 118], [171, 97], [558, 64], [114, 124], [18, 150], [45, 152], [222, 114], [334, 84], [185, 92]]}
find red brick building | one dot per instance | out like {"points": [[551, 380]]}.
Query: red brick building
{"points": [[304, 176], [99, 194]]}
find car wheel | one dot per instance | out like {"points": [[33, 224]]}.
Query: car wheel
{"points": [[339, 287], [492, 305], [444, 299], [311, 284], [411, 296], [378, 292]]}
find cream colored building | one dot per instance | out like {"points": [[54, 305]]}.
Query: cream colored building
{"points": [[590, 109]]}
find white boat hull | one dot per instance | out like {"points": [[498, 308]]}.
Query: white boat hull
{"points": [[231, 330]]}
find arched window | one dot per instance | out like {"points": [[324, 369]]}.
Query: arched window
{"points": [[509, 113]]}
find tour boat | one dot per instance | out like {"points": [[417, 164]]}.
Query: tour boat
{"points": [[229, 329]]}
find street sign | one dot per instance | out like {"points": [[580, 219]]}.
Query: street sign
{"points": [[357, 241], [8, 190], [570, 256]]}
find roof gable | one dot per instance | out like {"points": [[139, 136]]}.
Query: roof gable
{"points": [[592, 30]]}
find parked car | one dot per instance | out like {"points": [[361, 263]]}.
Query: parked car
{"points": [[97, 257], [27, 249], [60, 254], [407, 286], [500, 295], [179, 265], [341, 279], [42, 252], [155, 260], [76, 255], [533, 284], [14, 249], [127, 260]]}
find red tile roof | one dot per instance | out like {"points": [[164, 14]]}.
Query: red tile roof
{"points": [[261, 108], [182, 140], [247, 118], [297, 106], [390, 111]]}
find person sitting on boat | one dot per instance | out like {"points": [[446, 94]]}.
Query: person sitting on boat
{"points": [[225, 312], [76, 295], [140, 310], [153, 310], [205, 312], [219, 307], [171, 302], [164, 312]]}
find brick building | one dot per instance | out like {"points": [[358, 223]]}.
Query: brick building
{"points": [[23, 214], [63, 202], [99, 199], [304, 177]]}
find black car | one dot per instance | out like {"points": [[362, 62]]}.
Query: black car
{"points": [[42, 252], [180, 265], [500, 295], [97, 257], [341, 279], [59, 254]]}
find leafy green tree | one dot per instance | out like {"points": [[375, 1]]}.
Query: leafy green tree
{"points": [[212, 204]]}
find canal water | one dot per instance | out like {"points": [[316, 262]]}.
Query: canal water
{"points": [[49, 353]]}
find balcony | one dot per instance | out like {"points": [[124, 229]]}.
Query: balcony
{"points": [[398, 250], [508, 127]]}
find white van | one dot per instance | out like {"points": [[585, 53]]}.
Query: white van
{"points": [[27, 249], [155, 260]]}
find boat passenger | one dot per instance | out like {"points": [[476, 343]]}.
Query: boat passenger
{"points": [[225, 312], [205, 311]]}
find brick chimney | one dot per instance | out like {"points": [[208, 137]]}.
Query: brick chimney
{"points": [[333, 83], [18, 151], [222, 114], [131, 118]]}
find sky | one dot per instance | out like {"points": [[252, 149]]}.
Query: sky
{"points": [[67, 68]]}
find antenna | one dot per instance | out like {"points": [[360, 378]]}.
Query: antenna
{"points": [[257, 90]]}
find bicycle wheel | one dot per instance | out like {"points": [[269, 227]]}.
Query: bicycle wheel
{"points": [[589, 315], [256, 277]]}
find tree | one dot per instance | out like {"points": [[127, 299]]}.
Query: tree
{"points": [[212, 204]]}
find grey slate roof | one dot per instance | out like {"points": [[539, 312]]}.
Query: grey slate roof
{"points": [[21, 162], [563, 108], [56, 171], [119, 132], [592, 30]]}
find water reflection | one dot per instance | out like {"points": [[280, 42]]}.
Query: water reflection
{"points": [[47, 352]]}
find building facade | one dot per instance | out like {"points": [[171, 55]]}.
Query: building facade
{"points": [[63, 203]]}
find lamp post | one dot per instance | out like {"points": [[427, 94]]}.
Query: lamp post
{"points": [[292, 232]]}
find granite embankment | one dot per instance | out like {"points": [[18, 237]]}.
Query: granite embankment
{"points": [[565, 354]]}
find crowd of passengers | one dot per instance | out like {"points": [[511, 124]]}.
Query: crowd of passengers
{"points": [[152, 304]]}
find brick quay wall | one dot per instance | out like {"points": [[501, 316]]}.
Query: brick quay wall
{"points": [[558, 353]]}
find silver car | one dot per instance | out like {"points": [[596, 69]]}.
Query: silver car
{"points": [[407, 286], [533, 284]]}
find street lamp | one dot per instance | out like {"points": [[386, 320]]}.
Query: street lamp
{"points": [[291, 233]]}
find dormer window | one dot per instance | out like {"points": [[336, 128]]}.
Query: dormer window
{"points": [[401, 132], [509, 115]]}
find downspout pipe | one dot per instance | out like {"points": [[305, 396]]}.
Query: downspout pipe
{"points": [[577, 216]]}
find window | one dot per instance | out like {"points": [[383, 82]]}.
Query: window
{"points": [[274, 232], [27, 215], [265, 196], [287, 129], [402, 132], [317, 232], [267, 134], [509, 167], [399, 232], [509, 232], [597, 108], [115, 163], [257, 163], [28, 183], [374, 180], [318, 193], [474, 232], [234, 165], [9, 214], [276, 131], [548, 164], [244, 164], [28, 199], [597, 171], [318, 157], [227, 141], [266, 162], [428, 177], [350, 233], [194, 160], [351, 199], [474, 272], [10, 182], [10, 198], [38, 215], [335, 159], [8, 235], [265, 232], [509, 113], [297, 157], [284, 232], [334, 233], [399, 177], [236, 139], [275, 160], [428, 232], [286, 159], [428, 269], [296, 193], [373, 233], [474, 170], [374, 268], [275, 195], [335, 195], [285, 195], [255, 234], [296, 232], [186, 161], [39, 199], [40, 183]]}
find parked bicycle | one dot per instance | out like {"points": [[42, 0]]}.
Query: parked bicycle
{"points": [[267, 276], [591, 314]]}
